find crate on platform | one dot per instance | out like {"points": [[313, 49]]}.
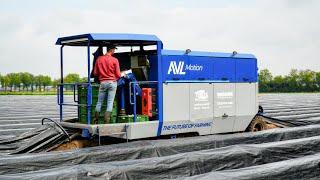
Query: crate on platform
{"points": [[129, 118], [82, 98]]}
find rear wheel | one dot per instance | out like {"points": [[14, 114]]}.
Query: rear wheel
{"points": [[257, 124]]}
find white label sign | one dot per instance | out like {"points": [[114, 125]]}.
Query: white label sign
{"points": [[201, 100], [224, 100]]}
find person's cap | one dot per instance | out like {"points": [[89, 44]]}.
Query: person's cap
{"points": [[111, 46]]}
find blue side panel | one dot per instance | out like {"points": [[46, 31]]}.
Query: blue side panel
{"points": [[246, 70], [173, 67], [185, 68], [200, 68], [160, 88], [224, 69]]}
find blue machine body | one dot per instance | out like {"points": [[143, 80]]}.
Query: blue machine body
{"points": [[167, 66]]}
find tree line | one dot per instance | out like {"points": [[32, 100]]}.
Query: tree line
{"points": [[24, 81], [295, 81]]}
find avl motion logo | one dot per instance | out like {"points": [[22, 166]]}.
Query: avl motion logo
{"points": [[181, 69]]}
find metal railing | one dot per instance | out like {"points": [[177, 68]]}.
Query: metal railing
{"points": [[74, 87], [132, 96], [60, 98]]}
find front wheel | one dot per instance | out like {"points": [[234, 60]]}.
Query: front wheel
{"points": [[257, 124]]}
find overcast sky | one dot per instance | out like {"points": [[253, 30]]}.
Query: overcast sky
{"points": [[282, 34]]}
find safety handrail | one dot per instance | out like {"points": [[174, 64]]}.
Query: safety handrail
{"points": [[138, 82], [60, 96], [79, 105], [74, 85]]}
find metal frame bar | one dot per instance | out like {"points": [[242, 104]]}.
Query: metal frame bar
{"points": [[74, 94], [68, 104], [89, 87], [135, 103], [60, 93], [60, 97]]}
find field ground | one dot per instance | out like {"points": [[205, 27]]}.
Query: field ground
{"points": [[288, 153]]}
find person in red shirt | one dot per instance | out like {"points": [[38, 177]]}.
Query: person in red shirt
{"points": [[108, 71]]}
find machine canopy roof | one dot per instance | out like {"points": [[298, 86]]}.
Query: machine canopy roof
{"points": [[97, 39]]}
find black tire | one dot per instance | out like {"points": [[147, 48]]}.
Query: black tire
{"points": [[257, 124]]}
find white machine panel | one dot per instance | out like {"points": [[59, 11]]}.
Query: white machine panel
{"points": [[224, 107], [176, 102], [223, 124], [246, 104], [224, 99], [246, 98], [142, 129]]}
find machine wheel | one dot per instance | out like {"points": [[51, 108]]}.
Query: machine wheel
{"points": [[257, 124]]}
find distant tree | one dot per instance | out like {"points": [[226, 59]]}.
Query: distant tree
{"points": [[278, 84], [308, 80], [32, 83], [318, 81], [46, 81], [38, 82], [1, 81], [26, 79], [84, 80], [14, 80], [72, 78], [10, 81], [265, 79], [55, 82], [5, 82], [265, 76], [17, 80], [293, 80]]}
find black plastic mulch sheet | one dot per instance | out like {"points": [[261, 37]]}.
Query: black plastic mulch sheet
{"points": [[307, 167], [160, 148], [37, 140], [191, 163]]}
